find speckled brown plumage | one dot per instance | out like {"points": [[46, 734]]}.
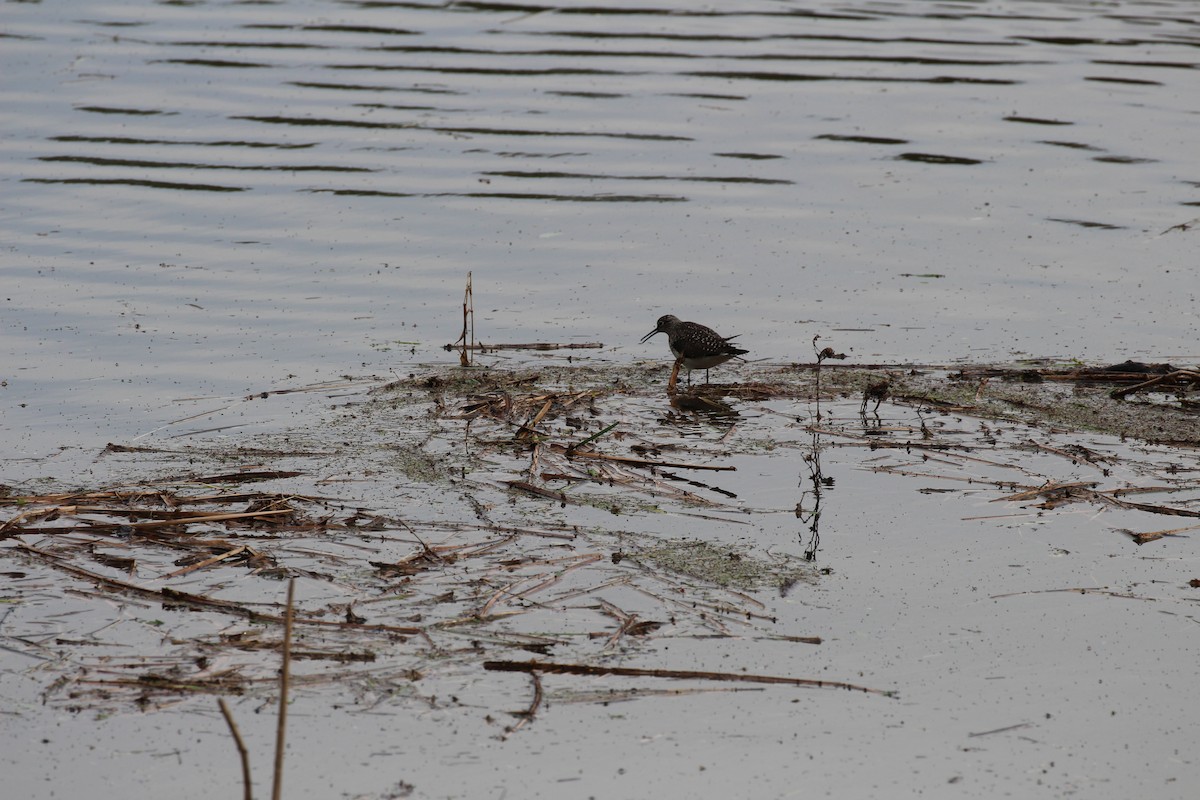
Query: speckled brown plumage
{"points": [[695, 346]]}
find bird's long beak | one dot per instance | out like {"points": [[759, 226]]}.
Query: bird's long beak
{"points": [[646, 338]]}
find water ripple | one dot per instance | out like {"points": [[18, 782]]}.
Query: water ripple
{"points": [[174, 185], [127, 162], [795, 77], [596, 176], [311, 121]]}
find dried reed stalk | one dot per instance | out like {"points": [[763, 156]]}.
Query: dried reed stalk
{"points": [[243, 754], [679, 674], [284, 675]]}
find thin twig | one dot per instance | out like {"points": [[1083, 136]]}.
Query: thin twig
{"points": [[208, 562], [1151, 536], [637, 462], [284, 674], [468, 308], [526, 486], [243, 754], [534, 346], [528, 713], [683, 674], [1005, 729], [28, 516], [1076, 590]]}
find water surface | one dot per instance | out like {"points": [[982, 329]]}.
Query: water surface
{"points": [[209, 201], [217, 198]]}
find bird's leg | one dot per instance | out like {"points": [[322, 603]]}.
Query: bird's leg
{"points": [[674, 375]]}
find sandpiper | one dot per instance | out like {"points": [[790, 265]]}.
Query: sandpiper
{"points": [[694, 346]]}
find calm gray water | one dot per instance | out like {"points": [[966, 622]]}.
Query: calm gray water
{"points": [[203, 200], [208, 199]]}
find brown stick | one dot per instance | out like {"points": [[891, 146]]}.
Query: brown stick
{"points": [[1077, 590], [528, 713], [1018, 726], [1151, 536], [243, 754], [534, 346], [1122, 393], [468, 347], [165, 523], [637, 462], [682, 674], [284, 674], [208, 562], [540, 415], [1106, 497], [1057, 494], [526, 486]]}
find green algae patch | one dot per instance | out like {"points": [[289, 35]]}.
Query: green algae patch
{"points": [[726, 566]]}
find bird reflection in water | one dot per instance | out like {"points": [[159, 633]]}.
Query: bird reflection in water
{"points": [[699, 410]]}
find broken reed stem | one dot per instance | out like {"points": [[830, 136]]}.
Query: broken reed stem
{"points": [[678, 674], [243, 754], [528, 714], [817, 374], [208, 562], [468, 347], [573, 452], [534, 346], [281, 730]]}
